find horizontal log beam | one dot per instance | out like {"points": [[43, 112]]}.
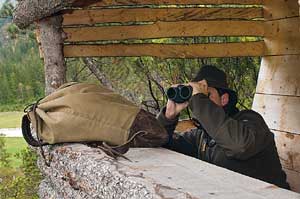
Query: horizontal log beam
{"points": [[165, 30], [91, 17], [166, 50], [172, 2], [78, 170]]}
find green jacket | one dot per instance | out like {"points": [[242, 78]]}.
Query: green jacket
{"points": [[242, 143]]}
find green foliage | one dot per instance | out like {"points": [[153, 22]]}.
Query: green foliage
{"points": [[146, 78], [137, 75], [21, 73], [4, 155], [7, 9], [21, 69], [13, 31], [18, 183], [77, 72], [13, 146], [23, 183]]}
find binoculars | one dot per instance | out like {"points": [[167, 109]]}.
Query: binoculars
{"points": [[180, 94]]}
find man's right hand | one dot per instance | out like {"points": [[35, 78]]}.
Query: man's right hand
{"points": [[173, 109]]}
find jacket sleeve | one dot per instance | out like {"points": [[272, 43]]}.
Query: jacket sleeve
{"points": [[240, 139], [180, 142]]}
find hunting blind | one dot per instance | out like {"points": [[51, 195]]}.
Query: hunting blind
{"points": [[108, 28]]}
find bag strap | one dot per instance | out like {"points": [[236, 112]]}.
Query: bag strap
{"points": [[117, 151], [26, 131]]}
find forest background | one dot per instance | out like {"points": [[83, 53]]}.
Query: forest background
{"points": [[142, 80]]}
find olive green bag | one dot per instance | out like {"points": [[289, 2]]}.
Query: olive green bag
{"points": [[81, 112]]}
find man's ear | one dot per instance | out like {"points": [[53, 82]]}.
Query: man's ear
{"points": [[224, 99]]}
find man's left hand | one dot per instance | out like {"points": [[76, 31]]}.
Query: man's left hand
{"points": [[199, 87]]}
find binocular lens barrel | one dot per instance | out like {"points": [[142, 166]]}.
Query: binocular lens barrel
{"points": [[171, 93], [180, 94], [185, 92]]}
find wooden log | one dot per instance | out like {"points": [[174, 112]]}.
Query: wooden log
{"points": [[288, 149], [38, 39], [166, 50], [77, 170], [282, 36], [166, 30], [170, 2], [293, 178], [28, 11], [279, 75], [51, 36], [280, 112], [91, 17], [279, 79], [289, 153], [280, 9]]}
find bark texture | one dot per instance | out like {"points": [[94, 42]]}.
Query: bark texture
{"points": [[28, 11], [52, 39], [78, 171]]}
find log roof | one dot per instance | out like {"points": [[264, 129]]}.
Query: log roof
{"points": [[28, 11]]}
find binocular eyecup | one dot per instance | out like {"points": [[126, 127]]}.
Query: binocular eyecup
{"points": [[180, 94]]}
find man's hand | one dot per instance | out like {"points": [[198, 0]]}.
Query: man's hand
{"points": [[173, 109], [199, 87]]}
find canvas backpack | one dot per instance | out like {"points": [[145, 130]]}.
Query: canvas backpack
{"points": [[82, 112]]}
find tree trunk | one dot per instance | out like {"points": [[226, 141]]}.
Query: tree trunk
{"points": [[28, 11], [78, 171], [51, 35]]}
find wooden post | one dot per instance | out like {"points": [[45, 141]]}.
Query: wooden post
{"points": [[51, 37], [277, 95]]}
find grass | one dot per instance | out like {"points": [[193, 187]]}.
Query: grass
{"points": [[10, 119], [14, 145]]}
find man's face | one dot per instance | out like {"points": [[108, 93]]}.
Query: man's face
{"points": [[216, 98]]}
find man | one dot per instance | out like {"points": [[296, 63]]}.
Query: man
{"points": [[237, 140]]}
